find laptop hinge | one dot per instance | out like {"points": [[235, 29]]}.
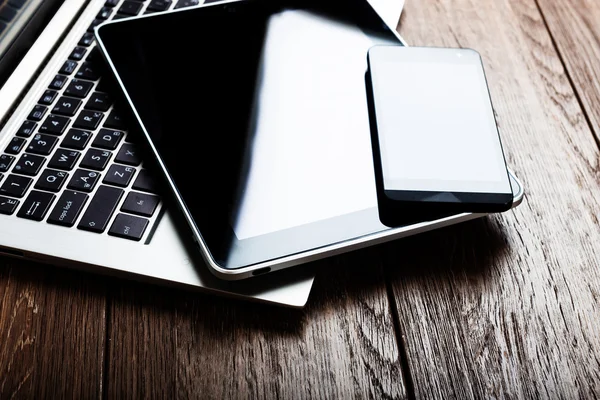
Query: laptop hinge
{"points": [[25, 74]]}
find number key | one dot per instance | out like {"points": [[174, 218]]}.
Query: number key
{"points": [[29, 164], [96, 159], [78, 88], [66, 106], [42, 144], [54, 125], [15, 186], [87, 71]]}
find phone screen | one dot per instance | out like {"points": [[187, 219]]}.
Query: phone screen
{"points": [[435, 122]]}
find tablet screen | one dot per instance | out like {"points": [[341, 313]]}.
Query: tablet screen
{"points": [[258, 113]]}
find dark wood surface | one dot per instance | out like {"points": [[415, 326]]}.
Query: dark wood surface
{"points": [[501, 307]]}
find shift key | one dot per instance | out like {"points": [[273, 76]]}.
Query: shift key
{"points": [[101, 208], [68, 208]]}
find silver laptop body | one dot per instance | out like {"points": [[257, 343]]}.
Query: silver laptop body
{"points": [[164, 254]]}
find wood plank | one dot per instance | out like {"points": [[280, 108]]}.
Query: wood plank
{"points": [[508, 306], [191, 345], [51, 332], [576, 32]]}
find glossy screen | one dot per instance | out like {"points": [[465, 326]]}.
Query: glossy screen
{"points": [[258, 112]]}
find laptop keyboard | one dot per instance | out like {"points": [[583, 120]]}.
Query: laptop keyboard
{"points": [[9, 10], [72, 163]]}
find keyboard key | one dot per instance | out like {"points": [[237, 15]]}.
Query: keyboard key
{"points": [[104, 13], [8, 206], [99, 102], [67, 106], [54, 125], [128, 154], [128, 227], [68, 67], [86, 40], [114, 121], [140, 204], [76, 139], [29, 164], [159, 5], [5, 162], [51, 180], [130, 8], [78, 53], [119, 175], [48, 97], [7, 13], [120, 16], [108, 139], [26, 129], [3, 26], [111, 3], [36, 206], [101, 208], [68, 208], [58, 82], [96, 159], [64, 159], [42, 144], [186, 3], [87, 71], [15, 186], [145, 182], [88, 120], [94, 24], [15, 146], [79, 88], [37, 113], [17, 3], [84, 180]]}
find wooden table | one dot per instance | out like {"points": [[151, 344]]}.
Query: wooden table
{"points": [[502, 307]]}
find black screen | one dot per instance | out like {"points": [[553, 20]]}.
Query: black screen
{"points": [[257, 110]]}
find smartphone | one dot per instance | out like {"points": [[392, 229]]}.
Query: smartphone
{"points": [[436, 145]]}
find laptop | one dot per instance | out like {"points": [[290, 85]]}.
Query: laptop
{"points": [[59, 132]]}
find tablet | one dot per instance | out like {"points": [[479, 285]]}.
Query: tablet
{"points": [[256, 111]]}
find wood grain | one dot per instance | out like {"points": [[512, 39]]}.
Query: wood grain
{"points": [[51, 332], [508, 307], [191, 345], [575, 28]]}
